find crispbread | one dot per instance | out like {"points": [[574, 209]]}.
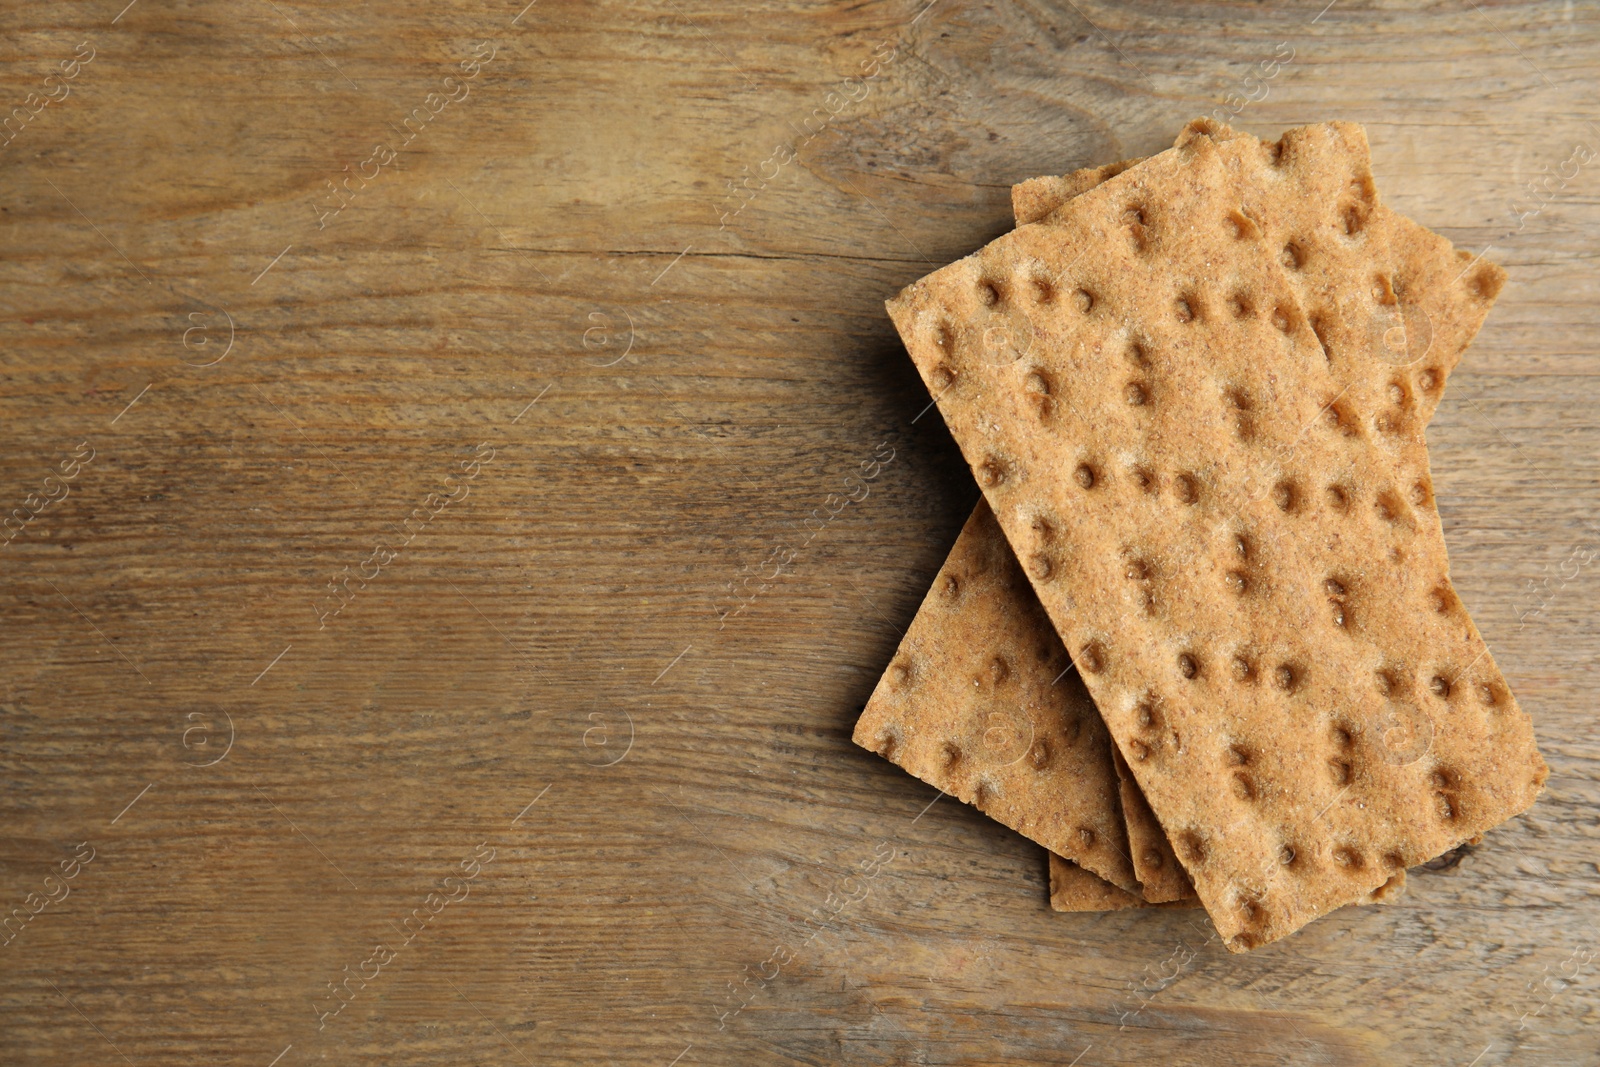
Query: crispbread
{"points": [[1451, 291], [980, 700], [1389, 892], [1035, 198], [1395, 363], [1160, 875], [1263, 658], [1433, 319], [1074, 889]]}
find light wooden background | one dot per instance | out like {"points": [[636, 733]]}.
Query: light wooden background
{"points": [[541, 674]]}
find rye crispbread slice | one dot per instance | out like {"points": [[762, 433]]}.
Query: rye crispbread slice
{"points": [[1093, 794], [1074, 889], [1301, 697], [1431, 300], [982, 702], [1161, 876]]}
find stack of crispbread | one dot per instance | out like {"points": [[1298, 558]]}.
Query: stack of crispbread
{"points": [[1199, 638]]}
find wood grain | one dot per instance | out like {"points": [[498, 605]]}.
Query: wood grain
{"points": [[702, 835]]}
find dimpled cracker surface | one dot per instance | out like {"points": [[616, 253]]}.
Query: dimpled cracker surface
{"points": [[1298, 691], [1414, 301], [980, 701], [1160, 875], [1392, 304], [1415, 306], [1035, 198], [1445, 293], [1385, 355], [1074, 889]]}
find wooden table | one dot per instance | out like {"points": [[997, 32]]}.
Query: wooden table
{"points": [[428, 374]]}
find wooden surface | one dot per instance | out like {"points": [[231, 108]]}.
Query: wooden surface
{"points": [[645, 398]]}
